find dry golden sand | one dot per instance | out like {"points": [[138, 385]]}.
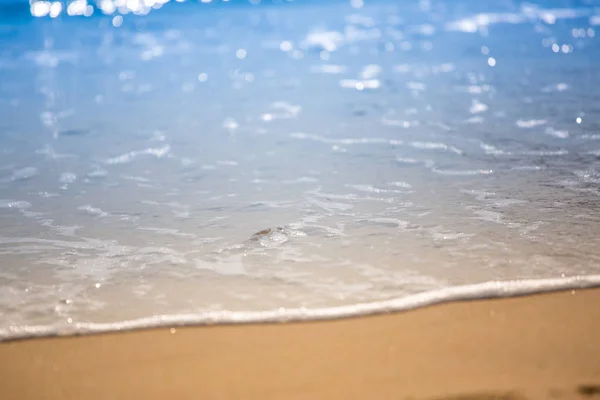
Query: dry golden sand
{"points": [[536, 347]]}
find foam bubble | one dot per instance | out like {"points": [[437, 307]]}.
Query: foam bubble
{"points": [[487, 290], [530, 123], [561, 134], [158, 152], [18, 205], [67, 177], [468, 172], [92, 210]]}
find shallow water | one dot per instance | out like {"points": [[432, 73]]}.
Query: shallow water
{"points": [[236, 157]]}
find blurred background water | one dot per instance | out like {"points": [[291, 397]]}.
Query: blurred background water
{"points": [[165, 158]]}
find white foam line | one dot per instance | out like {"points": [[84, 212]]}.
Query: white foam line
{"points": [[487, 290]]}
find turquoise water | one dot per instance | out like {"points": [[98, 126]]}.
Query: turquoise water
{"points": [[229, 161]]}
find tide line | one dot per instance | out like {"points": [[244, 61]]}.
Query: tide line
{"points": [[479, 291]]}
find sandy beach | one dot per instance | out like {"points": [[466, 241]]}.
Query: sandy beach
{"points": [[535, 347]]}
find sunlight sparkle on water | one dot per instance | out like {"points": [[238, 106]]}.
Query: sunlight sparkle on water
{"points": [[214, 158]]}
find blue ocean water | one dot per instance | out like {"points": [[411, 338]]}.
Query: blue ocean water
{"points": [[234, 161]]}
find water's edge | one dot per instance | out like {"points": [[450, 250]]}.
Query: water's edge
{"points": [[480, 291]]}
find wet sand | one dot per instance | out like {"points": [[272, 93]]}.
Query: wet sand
{"points": [[535, 347]]}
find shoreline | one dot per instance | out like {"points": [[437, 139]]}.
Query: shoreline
{"points": [[473, 292], [535, 346]]}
